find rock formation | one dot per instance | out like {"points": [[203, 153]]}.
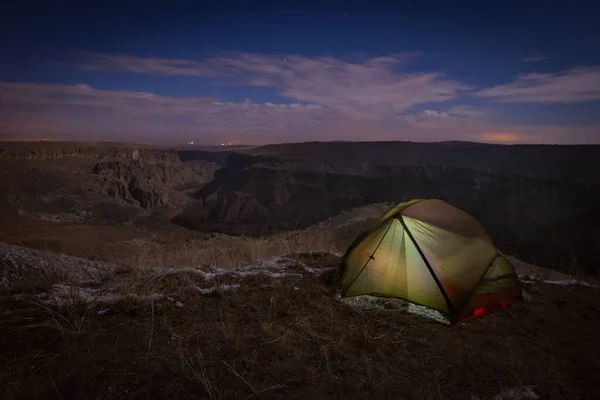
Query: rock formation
{"points": [[54, 150], [534, 217], [147, 185]]}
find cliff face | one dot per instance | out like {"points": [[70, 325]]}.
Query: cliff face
{"points": [[147, 185], [571, 162], [539, 219], [55, 150], [105, 182]]}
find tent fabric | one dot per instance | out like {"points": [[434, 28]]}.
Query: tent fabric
{"points": [[431, 253]]}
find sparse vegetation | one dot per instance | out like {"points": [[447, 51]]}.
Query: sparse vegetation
{"points": [[286, 336]]}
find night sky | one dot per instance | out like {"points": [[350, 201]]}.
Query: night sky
{"points": [[255, 72]]}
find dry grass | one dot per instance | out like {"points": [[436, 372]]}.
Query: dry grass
{"points": [[228, 252], [283, 337], [289, 338], [573, 267]]}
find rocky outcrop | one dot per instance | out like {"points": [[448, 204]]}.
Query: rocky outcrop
{"points": [[547, 219], [54, 150], [147, 185], [130, 183]]}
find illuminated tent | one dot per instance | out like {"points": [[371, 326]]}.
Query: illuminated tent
{"points": [[432, 254]]}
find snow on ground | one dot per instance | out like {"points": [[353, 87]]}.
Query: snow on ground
{"points": [[65, 294], [562, 282], [275, 267], [213, 289], [367, 301], [17, 263]]}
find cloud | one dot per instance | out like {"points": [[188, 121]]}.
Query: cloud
{"points": [[436, 114], [467, 111], [373, 86], [40, 109], [576, 85], [328, 99], [81, 112], [120, 62], [454, 112], [536, 56]]}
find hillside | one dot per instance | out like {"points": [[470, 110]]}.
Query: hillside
{"points": [[271, 328], [546, 221], [571, 162], [82, 197]]}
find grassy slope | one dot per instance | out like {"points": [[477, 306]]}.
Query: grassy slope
{"points": [[288, 338]]}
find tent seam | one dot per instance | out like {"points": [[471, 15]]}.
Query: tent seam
{"points": [[451, 309], [368, 260]]}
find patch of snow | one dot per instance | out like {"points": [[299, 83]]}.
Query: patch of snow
{"points": [[64, 294], [213, 289], [274, 267], [314, 271], [427, 313], [370, 302], [323, 252], [103, 311], [562, 282]]}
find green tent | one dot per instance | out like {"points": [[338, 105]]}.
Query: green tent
{"points": [[433, 254]]}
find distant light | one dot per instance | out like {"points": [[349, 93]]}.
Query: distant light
{"points": [[228, 144], [190, 142]]}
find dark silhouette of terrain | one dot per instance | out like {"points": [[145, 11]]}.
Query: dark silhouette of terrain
{"points": [[572, 162], [543, 220], [217, 157]]}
